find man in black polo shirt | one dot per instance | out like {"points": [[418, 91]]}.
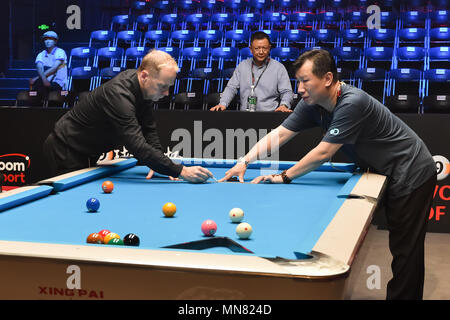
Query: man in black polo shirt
{"points": [[375, 139], [119, 113]]}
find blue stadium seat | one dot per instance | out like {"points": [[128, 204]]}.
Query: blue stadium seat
{"points": [[293, 36], [156, 38], [237, 36], [148, 21], [347, 53], [173, 51], [210, 37], [373, 81], [221, 21], [188, 5], [356, 18], [328, 18], [388, 19], [324, 35], [382, 35], [353, 35], [336, 4], [102, 38], [405, 74], [81, 56], [212, 5], [405, 96], [312, 4], [195, 54], [260, 4], [275, 19], [439, 35], [440, 18], [245, 53], [163, 5], [437, 75], [302, 18], [379, 53], [134, 54], [113, 54], [411, 53], [440, 4], [196, 20], [130, 37], [285, 4], [108, 73], [83, 73], [171, 20], [234, 4], [408, 35], [285, 53], [413, 18], [225, 56], [273, 35], [249, 20], [181, 37], [438, 57], [121, 21]]}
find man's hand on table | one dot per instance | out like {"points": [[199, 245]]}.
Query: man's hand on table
{"points": [[238, 170]]}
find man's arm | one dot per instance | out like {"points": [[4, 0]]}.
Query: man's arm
{"points": [[323, 152], [268, 144], [285, 88]]}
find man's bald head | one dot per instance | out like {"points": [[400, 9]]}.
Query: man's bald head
{"points": [[156, 60]]}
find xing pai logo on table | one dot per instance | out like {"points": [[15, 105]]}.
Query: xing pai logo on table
{"points": [[442, 167], [14, 166]]}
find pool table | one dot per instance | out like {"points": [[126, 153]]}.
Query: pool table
{"points": [[305, 234]]}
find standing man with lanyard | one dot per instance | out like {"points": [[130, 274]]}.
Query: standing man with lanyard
{"points": [[374, 138], [263, 83]]}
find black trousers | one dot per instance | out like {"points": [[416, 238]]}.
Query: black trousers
{"points": [[407, 219], [61, 158], [43, 90]]}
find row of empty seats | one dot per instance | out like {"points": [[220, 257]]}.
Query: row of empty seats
{"points": [[278, 20]]}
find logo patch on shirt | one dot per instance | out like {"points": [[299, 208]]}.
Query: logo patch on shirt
{"points": [[334, 131]]}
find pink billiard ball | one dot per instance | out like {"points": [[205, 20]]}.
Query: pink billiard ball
{"points": [[209, 228]]}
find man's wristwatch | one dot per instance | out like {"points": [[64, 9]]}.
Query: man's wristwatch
{"points": [[285, 178], [242, 160]]}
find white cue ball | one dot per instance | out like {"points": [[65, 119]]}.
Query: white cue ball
{"points": [[236, 214], [244, 230]]}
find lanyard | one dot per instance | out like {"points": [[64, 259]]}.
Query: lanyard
{"points": [[253, 75]]}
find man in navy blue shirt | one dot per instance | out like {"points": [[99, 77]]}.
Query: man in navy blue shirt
{"points": [[375, 139]]}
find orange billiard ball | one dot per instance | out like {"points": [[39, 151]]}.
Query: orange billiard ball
{"points": [[169, 209], [107, 186], [94, 238], [110, 236]]}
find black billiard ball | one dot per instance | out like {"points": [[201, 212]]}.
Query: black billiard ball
{"points": [[131, 240]]}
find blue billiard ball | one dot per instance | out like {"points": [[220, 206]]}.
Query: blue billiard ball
{"points": [[93, 204]]}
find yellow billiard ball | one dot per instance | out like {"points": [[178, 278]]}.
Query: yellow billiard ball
{"points": [[110, 236], [169, 209]]}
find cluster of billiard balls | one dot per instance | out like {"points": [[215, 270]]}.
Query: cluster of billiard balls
{"points": [[209, 227], [107, 237]]}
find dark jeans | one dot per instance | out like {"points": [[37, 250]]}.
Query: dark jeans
{"points": [[407, 219], [63, 159], [43, 90]]}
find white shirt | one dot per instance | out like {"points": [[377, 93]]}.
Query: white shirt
{"points": [[48, 60]]}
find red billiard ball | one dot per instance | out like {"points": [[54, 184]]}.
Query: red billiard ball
{"points": [[107, 186], [209, 228], [103, 233]]}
